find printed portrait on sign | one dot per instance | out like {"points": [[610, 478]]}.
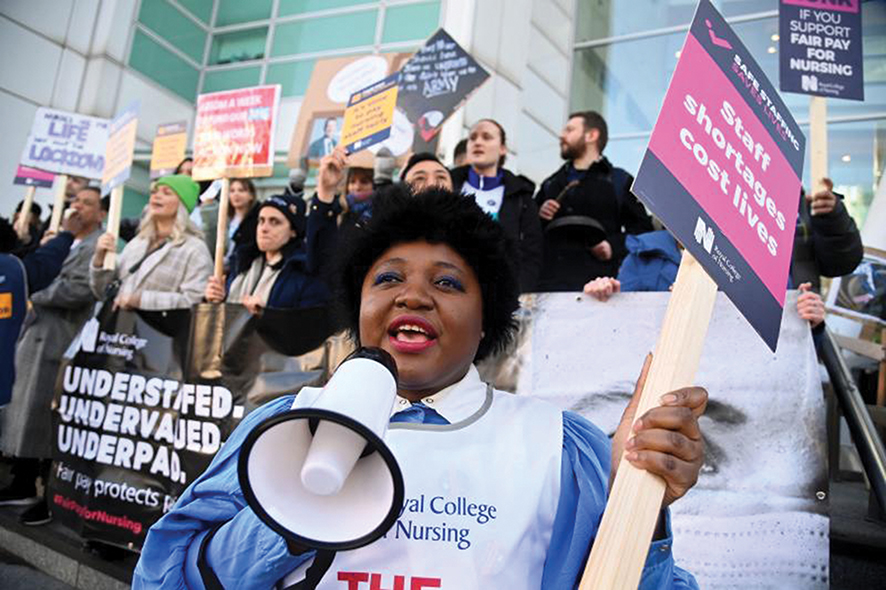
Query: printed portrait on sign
{"points": [[324, 135]]}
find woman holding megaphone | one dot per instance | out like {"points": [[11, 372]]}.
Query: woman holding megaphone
{"points": [[501, 491]]}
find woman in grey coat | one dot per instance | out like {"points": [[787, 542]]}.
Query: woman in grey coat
{"points": [[167, 265]]}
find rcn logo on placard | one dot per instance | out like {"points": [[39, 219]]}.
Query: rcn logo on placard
{"points": [[809, 83], [704, 235], [89, 335]]}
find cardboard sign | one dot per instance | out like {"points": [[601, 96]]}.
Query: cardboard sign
{"points": [[370, 114], [33, 177], [436, 81], [820, 48], [169, 148], [67, 143], [723, 167], [234, 133], [120, 147], [321, 115]]}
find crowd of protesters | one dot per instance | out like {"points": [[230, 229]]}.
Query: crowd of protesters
{"points": [[580, 229]]}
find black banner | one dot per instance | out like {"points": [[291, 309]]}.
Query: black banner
{"points": [[144, 400]]}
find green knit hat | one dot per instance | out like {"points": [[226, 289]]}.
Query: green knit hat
{"points": [[185, 187]]}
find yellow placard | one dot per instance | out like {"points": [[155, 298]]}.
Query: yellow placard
{"points": [[169, 148], [119, 150], [370, 115], [5, 306]]}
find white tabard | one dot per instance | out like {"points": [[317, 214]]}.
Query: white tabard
{"points": [[481, 496]]}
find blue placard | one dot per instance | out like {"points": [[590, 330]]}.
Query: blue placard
{"points": [[820, 48]]}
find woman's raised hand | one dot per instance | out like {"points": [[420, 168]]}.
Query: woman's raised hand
{"points": [[332, 170]]}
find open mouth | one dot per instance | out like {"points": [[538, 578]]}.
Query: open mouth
{"points": [[411, 334]]}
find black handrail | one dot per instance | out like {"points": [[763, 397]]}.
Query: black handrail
{"points": [[861, 427]]}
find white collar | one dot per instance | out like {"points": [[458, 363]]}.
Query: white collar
{"points": [[457, 402]]}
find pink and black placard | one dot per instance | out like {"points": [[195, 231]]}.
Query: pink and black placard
{"points": [[723, 167]]}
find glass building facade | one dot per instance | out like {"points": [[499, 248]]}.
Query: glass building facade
{"points": [[197, 46], [625, 53]]}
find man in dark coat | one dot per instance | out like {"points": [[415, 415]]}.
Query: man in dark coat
{"points": [[586, 208], [58, 313]]}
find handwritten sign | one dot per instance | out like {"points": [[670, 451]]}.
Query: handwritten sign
{"points": [[67, 143], [370, 114], [723, 167], [32, 177], [436, 81], [118, 152], [169, 148], [820, 48], [234, 133]]}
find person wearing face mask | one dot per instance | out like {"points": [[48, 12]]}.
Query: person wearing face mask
{"points": [[167, 264], [503, 195], [271, 270]]}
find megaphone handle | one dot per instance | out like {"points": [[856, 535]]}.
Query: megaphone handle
{"points": [[316, 571]]}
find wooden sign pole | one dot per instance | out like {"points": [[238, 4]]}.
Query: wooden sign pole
{"points": [[818, 142], [221, 232], [21, 228], [114, 224], [622, 543], [58, 202]]}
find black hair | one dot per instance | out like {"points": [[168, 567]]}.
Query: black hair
{"points": [[594, 120], [502, 134], [418, 158], [461, 148], [178, 169], [250, 188], [437, 216], [36, 209]]}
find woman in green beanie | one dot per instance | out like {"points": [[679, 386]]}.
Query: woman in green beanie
{"points": [[167, 265]]}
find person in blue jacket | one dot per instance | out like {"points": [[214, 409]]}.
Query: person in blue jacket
{"points": [[428, 281], [18, 279], [271, 270], [651, 265]]}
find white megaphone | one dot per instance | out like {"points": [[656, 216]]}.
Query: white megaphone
{"points": [[321, 475]]}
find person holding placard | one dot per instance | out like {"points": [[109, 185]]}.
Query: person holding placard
{"points": [[167, 265], [58, 313], [513, 486], [827, 241], [271, 269], [506, 197]]}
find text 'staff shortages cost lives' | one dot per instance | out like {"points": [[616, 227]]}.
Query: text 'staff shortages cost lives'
{"points": [[723, 168], [820, 48]]}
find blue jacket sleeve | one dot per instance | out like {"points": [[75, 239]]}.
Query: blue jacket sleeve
{"points": [[45, 263], [244, 553], [584, 483]]}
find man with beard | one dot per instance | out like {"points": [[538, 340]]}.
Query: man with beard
{"points": [[586, 208]]}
